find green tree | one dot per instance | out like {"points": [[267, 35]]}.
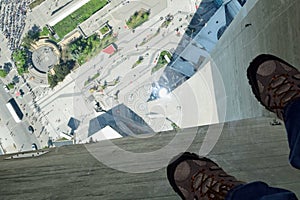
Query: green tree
{"points": [[11, 86], [34, 32], [3, 73], [70, 64], [21, 71], [82, 48], [27, 41], [52, 80], [20, 58], [44, 32], [32, 35], [61, 71]]}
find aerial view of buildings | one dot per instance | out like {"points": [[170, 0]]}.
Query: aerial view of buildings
{"points": [[67, 62], [80, 72]]}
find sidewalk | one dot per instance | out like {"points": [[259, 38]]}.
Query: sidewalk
{"points": [[7, 144]]}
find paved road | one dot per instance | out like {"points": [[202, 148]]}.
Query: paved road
{"points": [[16, 131]]}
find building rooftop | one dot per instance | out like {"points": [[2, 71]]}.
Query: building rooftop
{"points": [[110, 49]]}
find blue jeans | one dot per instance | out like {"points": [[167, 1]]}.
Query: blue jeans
{"points": [[292, 125], [260, 190]]}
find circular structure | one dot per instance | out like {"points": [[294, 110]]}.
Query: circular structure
{"points": [[44, 57]]}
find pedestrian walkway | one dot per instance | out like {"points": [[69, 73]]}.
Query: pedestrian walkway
{"points": [[7, 143]]}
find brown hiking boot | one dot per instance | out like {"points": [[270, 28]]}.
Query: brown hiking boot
{"points": [[274, 82], [194, 177]]}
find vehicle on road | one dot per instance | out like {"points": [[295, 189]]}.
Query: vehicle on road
{"points": [[30, 129], [21, 92], [34, 147], [14, 110]]}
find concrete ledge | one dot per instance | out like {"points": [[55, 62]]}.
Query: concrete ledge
{"points": [[26, 155]]}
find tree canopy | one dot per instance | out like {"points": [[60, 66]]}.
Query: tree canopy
{"points": [[32, 36], [82, 48], [20, 57], [61, 71], [3, 73]]}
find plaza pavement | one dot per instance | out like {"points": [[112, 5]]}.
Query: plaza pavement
{"points": [[210, 89], [14, 136], [58, 105], [4, 52]]}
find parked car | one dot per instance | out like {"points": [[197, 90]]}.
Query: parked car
{"points": [[34, 147], [30, 129]]}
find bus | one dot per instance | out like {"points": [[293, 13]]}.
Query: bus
{"points": [[14, 110]]}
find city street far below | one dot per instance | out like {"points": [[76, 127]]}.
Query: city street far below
{"points": [[82, 71]]}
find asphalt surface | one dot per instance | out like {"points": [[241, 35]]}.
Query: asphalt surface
{"points": [[18, 131]]}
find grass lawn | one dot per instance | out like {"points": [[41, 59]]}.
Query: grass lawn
{"points": [[69, 23], [161, 61], [138, 18], [104, 29], [139, 61], [35, 3], [44, 32], [165, 24]]}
